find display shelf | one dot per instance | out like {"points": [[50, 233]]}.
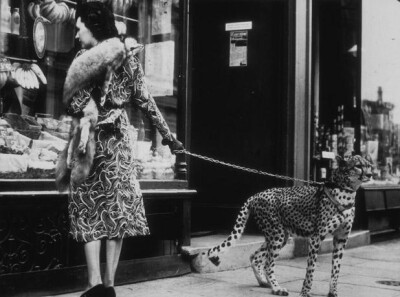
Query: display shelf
{"points": [[18, 185], [378, 209], [369, 187]]}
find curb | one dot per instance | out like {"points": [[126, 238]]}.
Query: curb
{"points": [[238, 256]]}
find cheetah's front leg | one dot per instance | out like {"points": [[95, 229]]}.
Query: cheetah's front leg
{"points": [[313, 247], [340, 239]]}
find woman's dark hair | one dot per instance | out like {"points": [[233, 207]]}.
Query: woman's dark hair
{"points": [[98, 19]]}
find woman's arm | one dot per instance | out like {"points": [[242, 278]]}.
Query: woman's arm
{"points": [[145, 102], [78, 102]]}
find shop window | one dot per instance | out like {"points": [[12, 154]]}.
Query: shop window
{"points": [[336, 63], [380, 88], [33, 126]]}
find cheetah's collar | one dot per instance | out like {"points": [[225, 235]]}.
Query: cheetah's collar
{"points": [[336, 202]]}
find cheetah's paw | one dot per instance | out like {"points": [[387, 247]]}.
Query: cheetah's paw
{"points": [[280, 292]]}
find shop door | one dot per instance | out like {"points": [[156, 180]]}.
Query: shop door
{"points": [[238, 113]]}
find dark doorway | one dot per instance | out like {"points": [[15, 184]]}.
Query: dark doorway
{"points": [[237, 113]]}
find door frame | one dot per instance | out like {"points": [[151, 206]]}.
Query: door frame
{"points": [[300, 87]]}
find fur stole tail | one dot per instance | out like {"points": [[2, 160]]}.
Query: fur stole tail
{"points": [[63, 173], [82, 162], [80, 167]]}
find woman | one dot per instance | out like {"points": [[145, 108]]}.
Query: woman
{"points": [[108, 204]]}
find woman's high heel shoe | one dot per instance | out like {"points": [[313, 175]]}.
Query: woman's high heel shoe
{"points": [[110, 292], [96, 291]]}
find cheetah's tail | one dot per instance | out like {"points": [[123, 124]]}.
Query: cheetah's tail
{"points": [[235, 235]]}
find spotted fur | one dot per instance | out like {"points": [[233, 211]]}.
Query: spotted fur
{"points": [[308, 211]]}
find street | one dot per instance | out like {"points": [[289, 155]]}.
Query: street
{"points": [[362, 270]]}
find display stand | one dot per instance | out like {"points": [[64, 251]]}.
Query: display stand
{"points": [[378, 209]]}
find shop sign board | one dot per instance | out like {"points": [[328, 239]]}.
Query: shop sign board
{"points": [[238, 26], [328, 155]]}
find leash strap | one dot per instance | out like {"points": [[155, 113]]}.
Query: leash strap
{"points": [[335, 202], [251, 170]]}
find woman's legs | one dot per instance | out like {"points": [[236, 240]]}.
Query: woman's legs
{"points": [[113, 250], [92, 253]]}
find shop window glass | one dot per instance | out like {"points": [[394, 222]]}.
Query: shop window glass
{"points": [[336, 69], [33, 126], [380, 88]]}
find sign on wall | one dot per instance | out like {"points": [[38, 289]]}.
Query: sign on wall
{"points": [[238, 26], [238, 41], [238, 48]]}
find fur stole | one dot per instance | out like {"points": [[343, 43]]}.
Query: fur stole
{"points": [[91, 67], [94, 67]]}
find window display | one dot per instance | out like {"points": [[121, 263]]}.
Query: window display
{"points": [[37, 47], [380, 89], [336, 68]]}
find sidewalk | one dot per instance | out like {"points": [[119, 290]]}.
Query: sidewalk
{"points": [[362, 269]]}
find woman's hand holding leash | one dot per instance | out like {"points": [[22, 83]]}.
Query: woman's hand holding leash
{"points": [[174, 145]]}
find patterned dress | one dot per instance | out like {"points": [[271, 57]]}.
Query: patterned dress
{"points": [[109, 203]]}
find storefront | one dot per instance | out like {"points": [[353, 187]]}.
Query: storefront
{"points": [[37, 47], [355, 65], [265, 84], [282, 86], [250, 101]]}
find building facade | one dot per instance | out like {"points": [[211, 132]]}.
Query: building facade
{"points": [[280, 86]]}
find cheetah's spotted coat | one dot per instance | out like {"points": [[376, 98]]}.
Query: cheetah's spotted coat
{"points": [[308, 211]]}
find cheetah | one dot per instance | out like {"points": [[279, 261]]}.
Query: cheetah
{"points": [[307, 211]]}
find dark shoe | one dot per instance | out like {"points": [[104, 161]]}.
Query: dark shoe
{"points": [[96, 291], [110, 292]]}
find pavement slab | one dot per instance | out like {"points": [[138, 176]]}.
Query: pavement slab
{"points": [[361, 270]]}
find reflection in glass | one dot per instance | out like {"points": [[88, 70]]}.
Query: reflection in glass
{"points": [[380, 88], [36, 128]]}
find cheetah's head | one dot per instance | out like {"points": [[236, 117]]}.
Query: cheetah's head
{"points": [[352, 171]]}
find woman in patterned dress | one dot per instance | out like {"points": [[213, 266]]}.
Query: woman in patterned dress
{"points": [[108, 204]]}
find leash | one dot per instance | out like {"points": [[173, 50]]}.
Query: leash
{"points": [[335, 202], [247, 169]]}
